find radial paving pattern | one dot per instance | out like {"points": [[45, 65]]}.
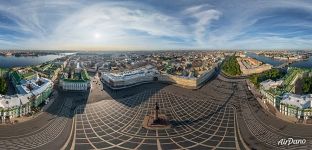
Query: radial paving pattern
{"points": [[196, 123], [40, 137]]}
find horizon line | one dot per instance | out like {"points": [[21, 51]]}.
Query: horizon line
{"points": [[77, 50]]}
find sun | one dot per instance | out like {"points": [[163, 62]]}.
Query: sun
{"points": [[97, 35]]}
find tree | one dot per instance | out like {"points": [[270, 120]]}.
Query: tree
{"points": [[307, 85], [230, 66], [273, 74], [3, 86]]}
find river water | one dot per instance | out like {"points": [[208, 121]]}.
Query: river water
{"points": [[300, 64], [12, 61]]}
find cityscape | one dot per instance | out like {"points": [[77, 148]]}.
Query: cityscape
{"points": [[155, 75]]}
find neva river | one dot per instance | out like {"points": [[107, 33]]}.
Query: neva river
{"points": [[12, 61], [300, 64]]}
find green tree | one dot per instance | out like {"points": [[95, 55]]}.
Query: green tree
{"points": [[230, 66], [307, 85], [273, 74], [3, 86]]}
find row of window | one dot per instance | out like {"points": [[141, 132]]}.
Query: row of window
{"points": [[80, 86], [17, 112]]}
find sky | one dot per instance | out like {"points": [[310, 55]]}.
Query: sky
{"points": [[155, 25]]}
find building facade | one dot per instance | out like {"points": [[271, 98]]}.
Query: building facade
{"points": [[15, 106], [77, 80], [298, 106], [31, 93], [75, 85], [129, 78], [270, 93], [150, 74], [250, 66], [283, 99]]}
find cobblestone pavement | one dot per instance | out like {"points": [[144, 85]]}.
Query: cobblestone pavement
{"points": [[222, 114], [42, 136], [109, 124], [197, 123]]}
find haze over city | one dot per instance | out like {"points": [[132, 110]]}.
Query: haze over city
{"points": [[153, 25]]}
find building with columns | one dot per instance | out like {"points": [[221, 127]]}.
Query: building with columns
{"points": [[15, 106], [271, 93], [31, 93], [129, 78], [281, 94], [77, 80], [299, 106], [149, 73], [78, 85]]}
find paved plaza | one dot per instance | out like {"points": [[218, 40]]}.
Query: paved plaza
{"points": [[196, 124], [44, 135], [49, 130], [222, 114], [267, 129]]}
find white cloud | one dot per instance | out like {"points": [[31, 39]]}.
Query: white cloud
{"points": [[115, 20], [238, 19], [204, 16], [117, 24], [73, 24]]}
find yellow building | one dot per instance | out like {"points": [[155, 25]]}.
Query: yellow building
{"points": [[250, 66]]}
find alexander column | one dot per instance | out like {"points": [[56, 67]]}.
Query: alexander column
{"points": [[156, 112], [155, 120]]}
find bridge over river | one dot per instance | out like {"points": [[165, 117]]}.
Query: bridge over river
{"points": [[283, 65]]}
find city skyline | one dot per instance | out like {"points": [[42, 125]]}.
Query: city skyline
{"points": [[150, 25]]}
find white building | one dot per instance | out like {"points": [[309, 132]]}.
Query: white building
{"points": [[149, 74], [79, 81], [129, 78], [75, 85], [15, 106], [270, 93], [31, 93], [298, 106], [267, 84]]}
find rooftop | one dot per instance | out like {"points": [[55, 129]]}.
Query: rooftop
{"points": [[300, 101], [15, 100], [81, 76], [25, 93], [127, 75], [267, 84]]}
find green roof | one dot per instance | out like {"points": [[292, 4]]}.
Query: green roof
{"points": [[276, 91], [82, 77], [28, 75], [16, 76]]}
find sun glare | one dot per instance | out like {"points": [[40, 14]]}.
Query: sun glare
{"points": [[97, 35]]}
